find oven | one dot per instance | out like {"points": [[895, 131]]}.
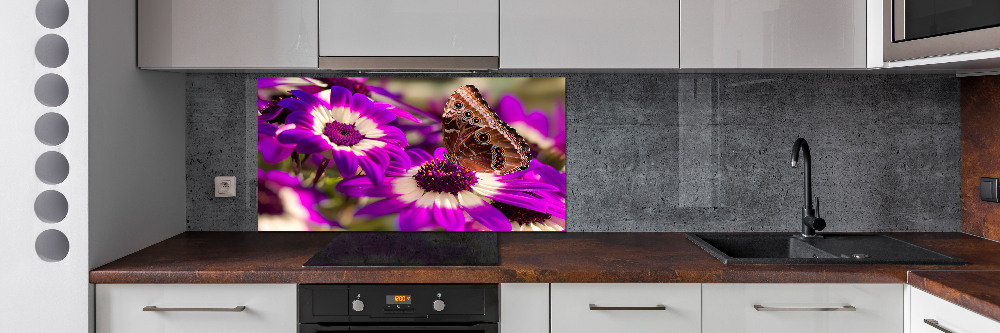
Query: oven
{"points": [[927, 28], [388, 308]]}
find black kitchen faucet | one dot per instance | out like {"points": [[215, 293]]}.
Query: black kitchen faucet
{"points": [[810, 222]]}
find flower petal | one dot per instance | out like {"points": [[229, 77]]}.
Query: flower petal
{"points": [[272, 151], [382, 207], [312, 144], [418, 156], [482, 211], [374, 171], [347, 162], [414, 218]]}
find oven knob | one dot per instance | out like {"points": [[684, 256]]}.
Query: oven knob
{"points": [[358, 305], [438, 305]]}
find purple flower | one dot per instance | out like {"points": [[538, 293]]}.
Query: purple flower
{"points": [[271, 122], [351, 129], [284, 204], [435, 192], [535, 126]]}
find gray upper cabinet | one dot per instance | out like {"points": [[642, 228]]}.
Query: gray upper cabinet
{"points": [[778, 34], [408, 28], [227, 34], [576, 34], [409, 35]]}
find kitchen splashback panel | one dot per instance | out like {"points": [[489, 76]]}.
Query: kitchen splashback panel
{"points": [[683, 152]]}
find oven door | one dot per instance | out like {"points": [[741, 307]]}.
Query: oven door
{"points": [[472, 328], [927, 28]]}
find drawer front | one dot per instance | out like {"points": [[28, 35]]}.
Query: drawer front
{"points": [[729, 308], [406, 28], [269, 308], [572, 312], [949, 316]]}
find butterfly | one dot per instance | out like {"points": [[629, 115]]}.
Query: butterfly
{"points": [[477, 139]]}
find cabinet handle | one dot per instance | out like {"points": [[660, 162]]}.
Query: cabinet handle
{"points": [[759, 307], [935, 324], [614, 308], [233, 309]]}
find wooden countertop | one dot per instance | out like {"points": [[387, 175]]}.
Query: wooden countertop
{"points": [[277, 257], [978, 291]]}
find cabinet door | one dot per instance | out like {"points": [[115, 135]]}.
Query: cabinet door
{"points": [[524, 308], [227, 34], [802, 308], [626, 307], [951, 317], [589, 34], [773, 34], [269, 308], [406, 28]]}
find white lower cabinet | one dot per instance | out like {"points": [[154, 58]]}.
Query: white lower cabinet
{"points": [[930, 314], [196, 308], [802, 308], [524, 308], [626, 307]]}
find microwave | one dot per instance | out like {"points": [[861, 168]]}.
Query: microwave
{"points": [[916, 29]]}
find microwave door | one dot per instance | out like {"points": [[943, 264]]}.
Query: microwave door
{"points": [[916, 19]]}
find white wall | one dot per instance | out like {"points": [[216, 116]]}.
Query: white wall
{"points": [[137, 184], [124, 187], [38, 295]]}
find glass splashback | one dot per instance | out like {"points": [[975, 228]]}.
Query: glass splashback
{"points": [[411, 154]]}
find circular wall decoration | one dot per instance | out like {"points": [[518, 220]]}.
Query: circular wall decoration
{"points": [[51, 90], [51, 129], [51, 206], [52, 167], [51, 51], [52, 13], [52, 245]]}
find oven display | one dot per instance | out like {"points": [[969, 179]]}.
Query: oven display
{"points": [[397, 299]]}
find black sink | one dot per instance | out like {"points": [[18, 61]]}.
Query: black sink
{"points": [[787, 248]]}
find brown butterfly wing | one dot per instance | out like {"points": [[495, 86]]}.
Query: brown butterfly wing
{"points": [[476, 137]]}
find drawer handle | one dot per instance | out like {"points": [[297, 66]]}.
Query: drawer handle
{"points": [[616, 308], [234, 309], [759, 307], [935, 324]]}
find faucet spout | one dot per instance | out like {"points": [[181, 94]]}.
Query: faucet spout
{"points": [[810, 222]]}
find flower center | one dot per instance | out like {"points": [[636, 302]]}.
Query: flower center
{"points": [[342, 134], [521, 215], [440, 175], [268, 202]]}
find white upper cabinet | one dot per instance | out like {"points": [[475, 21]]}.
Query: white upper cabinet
{"points": [[778, 33], [227, 33], [406, 28], [589, 34]]}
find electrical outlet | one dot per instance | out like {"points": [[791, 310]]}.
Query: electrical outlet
{"points": [[225, 186]]}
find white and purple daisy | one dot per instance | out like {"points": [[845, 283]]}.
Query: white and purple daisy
{"points": [[350, 129], [436, 193], [284, 204]]}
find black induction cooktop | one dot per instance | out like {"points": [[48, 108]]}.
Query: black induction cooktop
{"points": [[403, 248]]}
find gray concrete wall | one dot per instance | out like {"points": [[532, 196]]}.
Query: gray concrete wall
{"points": [[683, 152]]}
